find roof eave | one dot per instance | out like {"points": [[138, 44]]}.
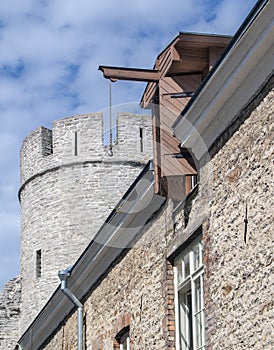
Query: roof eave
{"points": [[206, 38], [133, 74], [240, 73]]}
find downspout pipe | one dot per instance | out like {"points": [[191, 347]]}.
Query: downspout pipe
{"points": [[64, 275]]}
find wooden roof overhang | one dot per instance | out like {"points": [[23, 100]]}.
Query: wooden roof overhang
{"points": [[232, 84], [188, 53], [134, 74], [177, 74]]}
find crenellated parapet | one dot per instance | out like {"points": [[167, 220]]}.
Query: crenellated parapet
{"points": [[80, 139], [134, 137], [78, 136]]}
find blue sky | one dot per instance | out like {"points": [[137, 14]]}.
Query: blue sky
{"points": [[50, 53]]}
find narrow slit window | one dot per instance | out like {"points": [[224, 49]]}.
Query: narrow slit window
{"points": [[75, 143], [38, 263], [141, 134]]}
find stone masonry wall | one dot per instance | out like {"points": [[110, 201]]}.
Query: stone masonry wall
{"points": [[239, 275], [69, 187], [9, 314]]}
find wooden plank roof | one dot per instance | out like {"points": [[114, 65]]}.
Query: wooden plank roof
{"points": [[188, 53]]}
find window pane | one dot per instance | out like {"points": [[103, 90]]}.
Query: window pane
{"points": [[185, 320], [178, 265], [201, 253], [124, 343], [198, 294], [38, 263], [186, 266], [199, 328], [196, 255], [199, 313]]}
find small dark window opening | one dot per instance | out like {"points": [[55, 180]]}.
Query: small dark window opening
{"points": [[38, 263], [123, 338], [75, 143], [141, 134]]}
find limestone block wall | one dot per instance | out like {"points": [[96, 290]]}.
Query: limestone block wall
{"points": [[69, 185], [9, 314], [239, 284], [133, 135]]}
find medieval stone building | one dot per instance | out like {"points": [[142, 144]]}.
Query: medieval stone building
{"points": [[184, 259]]}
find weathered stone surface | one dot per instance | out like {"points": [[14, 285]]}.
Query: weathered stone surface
{"points": [[240, 290], [9, 314]]}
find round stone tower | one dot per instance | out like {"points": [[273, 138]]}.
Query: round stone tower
{"points": [[69, 185]]}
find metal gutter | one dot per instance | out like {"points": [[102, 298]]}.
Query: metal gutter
{"points": [[237, 77], [133, 212]]}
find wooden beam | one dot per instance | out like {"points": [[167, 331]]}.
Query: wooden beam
{"points": [[135, 74]]}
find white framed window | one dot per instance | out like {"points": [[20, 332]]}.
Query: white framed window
{"points": [[189, 297]]}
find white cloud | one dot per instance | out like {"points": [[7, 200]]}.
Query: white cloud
{"points": [[50, 53]]}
